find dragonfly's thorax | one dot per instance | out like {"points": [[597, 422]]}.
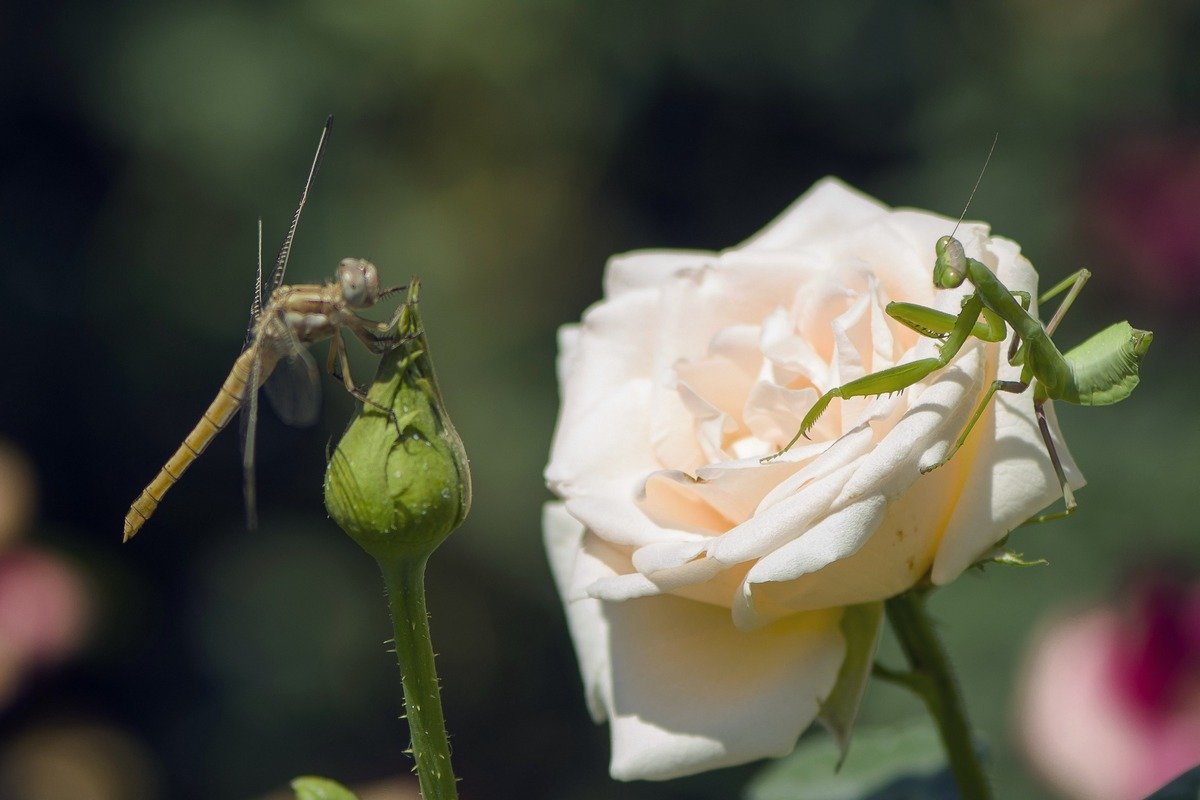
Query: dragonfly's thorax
{"points": [[309, 313]]}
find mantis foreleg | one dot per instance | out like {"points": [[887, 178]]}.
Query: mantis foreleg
{"points": [[898, 378]]}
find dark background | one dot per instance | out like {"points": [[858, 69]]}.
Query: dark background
{"points": [[502, 152]]}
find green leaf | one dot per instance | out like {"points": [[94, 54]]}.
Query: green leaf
{"points": [[1185, 787], [860, 627], [902, 762], [313, 788]]}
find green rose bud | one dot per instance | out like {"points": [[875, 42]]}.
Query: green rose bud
{"points": [[399, 483]]}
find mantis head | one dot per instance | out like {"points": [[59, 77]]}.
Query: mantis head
{"points": [[359, 281], [950, 269]]}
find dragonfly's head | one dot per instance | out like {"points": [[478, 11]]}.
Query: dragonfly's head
{"points": [[950, 269], [359, 281]]}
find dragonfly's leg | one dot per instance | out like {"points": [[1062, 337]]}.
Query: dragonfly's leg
{"points": [[376, 340], [334, 346], [1016, 387], [352, 387], [1075, 282], [384, 327], [1068, 496], [374, 335]]}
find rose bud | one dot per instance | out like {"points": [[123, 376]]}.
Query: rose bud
{"points": [[398, 483]]}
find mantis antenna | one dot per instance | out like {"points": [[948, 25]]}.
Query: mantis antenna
{"points": [[961, 216]]}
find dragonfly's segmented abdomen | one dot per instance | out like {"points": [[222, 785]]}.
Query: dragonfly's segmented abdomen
{"points": [[215, 418]]}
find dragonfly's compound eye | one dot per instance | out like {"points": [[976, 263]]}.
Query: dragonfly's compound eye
{"points": [[359, 280]]}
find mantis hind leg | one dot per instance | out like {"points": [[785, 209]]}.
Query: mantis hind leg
{"points": [[1068, 496], [1075, 282], [1016, 387]]}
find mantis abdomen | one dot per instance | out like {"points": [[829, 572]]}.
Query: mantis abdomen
{"points": [[1104, 369]]}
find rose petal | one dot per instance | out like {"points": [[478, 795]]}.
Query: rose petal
{"points": [[612, 517], [895, 556], [1020, 484], [571, 567], [827, 209], [690, 692], [676, 500], [686, 579], [568, 344], [661, 556], [648, 269], [781, 523], [833, 538]]}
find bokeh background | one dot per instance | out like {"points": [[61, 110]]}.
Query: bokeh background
{"points": [[502, 151]]}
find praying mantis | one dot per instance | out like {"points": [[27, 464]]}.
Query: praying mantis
{"points": [[1101, 371]]}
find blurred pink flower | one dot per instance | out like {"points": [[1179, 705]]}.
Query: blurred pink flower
{"points": [[43, 614], [43, 605], [1110, 702], [1142, 196]]}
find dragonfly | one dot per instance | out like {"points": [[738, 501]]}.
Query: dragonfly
{"points": [[284, 320]]}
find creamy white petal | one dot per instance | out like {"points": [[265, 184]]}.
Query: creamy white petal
{"points": [[612, 515], [659, 556], [642, 269], [896, 554], [1019, 485], [571, 566], [691, 575], [831, 539], [691, 693], [829, 208], [781, 523]]}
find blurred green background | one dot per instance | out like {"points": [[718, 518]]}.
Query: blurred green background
{"points": [[502, 151]]}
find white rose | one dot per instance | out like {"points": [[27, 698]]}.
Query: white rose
{"points": [[703, 588]]}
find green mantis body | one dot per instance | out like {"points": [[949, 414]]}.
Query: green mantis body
{"points": [[1101, 371]]}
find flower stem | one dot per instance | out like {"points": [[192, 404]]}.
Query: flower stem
{"points": [[405, 579], [932, 678]]}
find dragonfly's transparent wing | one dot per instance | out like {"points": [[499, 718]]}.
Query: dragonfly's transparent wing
{"points": [[294, 388], [248, 427]]}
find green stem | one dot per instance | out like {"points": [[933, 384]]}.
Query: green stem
{"points": [[405, 579], [932, 678]]}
